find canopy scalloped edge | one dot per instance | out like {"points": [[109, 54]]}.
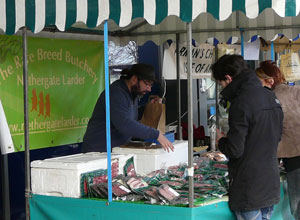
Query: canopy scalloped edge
{"points": [[37, 14]]}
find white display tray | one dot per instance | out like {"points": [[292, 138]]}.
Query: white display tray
{"points": [[61, 176], [148, 160]]}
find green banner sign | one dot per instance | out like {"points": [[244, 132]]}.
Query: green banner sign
{"points": [[65, 78]]}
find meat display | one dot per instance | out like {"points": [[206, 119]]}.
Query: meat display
{"points": [[168, 186]]}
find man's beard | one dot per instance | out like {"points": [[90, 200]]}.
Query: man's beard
{"points": [[136, 91]]}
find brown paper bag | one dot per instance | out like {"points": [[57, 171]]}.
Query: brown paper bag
{"points": [[154, 115], [290, 66]]}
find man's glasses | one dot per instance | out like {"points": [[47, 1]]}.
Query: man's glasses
{"points": [[148, 83]]}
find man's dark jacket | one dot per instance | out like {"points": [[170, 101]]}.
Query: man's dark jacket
{"points": [[123, 116], [255, 126]]}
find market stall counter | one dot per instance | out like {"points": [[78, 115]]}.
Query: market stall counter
{"points": [[50, 207], [160, 194]]}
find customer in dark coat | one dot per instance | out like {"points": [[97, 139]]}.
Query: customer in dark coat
{"points": [[255, 126], [124, 95]]}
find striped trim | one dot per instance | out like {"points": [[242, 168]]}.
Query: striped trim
{"points": [[251, 8], [3, 13], [71, 14], [20, 14], [82, 10], [50, 12], [149, 11], [198, 7], [126, 13], [92, 13], [279, 7], [290, 8], [60, 18], [137, 9], [174, 7], [40, 16], [225, 9], [263, 4], [36, 14], [297, 7], [213, 7], [114, 10], [103, 12], [161, 11], [186, 11], [239, 5], [30, 14], [10, 17]]}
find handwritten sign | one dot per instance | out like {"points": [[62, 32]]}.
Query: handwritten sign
{"points": [[202, 59]]}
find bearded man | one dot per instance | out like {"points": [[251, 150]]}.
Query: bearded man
{"points": [[124, 95]]}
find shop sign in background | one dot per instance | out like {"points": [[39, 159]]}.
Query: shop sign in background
{"points": [[202, 59], [65, 78]]}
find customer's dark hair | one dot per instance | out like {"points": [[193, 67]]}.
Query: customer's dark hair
{"points": [[231, 65]]}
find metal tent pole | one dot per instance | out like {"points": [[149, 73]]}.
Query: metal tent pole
{"points": [[242, 41], [5, 188], [217, 94], [190, 115], [160, 64], [272, 51], [26, 124], [107, 109], [198, 101], [179, 130]]}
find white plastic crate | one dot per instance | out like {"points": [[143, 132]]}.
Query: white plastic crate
{"points": [[60, 176], [148, 160]]}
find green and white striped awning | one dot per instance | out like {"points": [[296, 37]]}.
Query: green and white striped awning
{"points": [[267, 25], [37, 14]]}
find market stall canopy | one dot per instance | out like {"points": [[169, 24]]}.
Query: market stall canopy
{"points": [[266, 25], [137, 19]]}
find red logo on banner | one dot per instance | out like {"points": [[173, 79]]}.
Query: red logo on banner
{"points": [[41, 102]]}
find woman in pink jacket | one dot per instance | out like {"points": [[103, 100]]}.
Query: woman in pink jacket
{"points": [[289, 147]]}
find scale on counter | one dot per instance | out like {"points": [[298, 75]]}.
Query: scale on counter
{"points": [[141, 145]]}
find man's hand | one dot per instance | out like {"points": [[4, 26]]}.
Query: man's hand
{"points": [[165, 143], [219, 136], [156, 99]]}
